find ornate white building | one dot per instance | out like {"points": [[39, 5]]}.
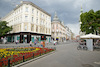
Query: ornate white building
{"points": [[29, 22], [58, 29]]}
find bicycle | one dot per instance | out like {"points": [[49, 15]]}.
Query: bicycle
{"points": [[82, 47]]}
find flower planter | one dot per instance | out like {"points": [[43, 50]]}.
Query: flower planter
{"points": [[16, 54]]}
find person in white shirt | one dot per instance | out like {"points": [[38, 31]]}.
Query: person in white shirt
{"points": [[31, 43]]}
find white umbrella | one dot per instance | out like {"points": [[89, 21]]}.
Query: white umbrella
{"points": [[90, 36], [89, 40]]}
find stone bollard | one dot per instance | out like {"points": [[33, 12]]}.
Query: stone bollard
{"points": [[33, 55], [40, 53], [23, 59], [8, 62]]}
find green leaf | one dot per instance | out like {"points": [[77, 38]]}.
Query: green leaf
{"points": [[90, 21], [4, 29]]}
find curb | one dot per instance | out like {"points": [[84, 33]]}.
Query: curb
{"points": [[26, 62]]}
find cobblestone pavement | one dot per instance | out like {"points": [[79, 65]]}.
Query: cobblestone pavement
{"points": [[66, 55]]}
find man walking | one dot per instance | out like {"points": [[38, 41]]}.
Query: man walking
{"points": [[31, 43]]}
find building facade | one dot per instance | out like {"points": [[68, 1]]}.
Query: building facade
{"points": [[58, 30], [29, 22], [68, 34]]}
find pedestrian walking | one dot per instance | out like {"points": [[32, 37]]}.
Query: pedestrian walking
{"points": [[46, 42], [35, 43], [54, 42], [41, 43], [31, 43], [16, 42]]}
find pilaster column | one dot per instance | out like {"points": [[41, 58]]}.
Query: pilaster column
{"points": [[29, 26], [22, 26]]}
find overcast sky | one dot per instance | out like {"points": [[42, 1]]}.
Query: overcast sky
{"points": [[68, 11]]}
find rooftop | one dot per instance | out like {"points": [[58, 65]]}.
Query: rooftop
{"points": [[56, 18]]}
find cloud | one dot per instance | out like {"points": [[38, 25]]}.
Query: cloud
{"points": [[74, 27], [67, 10], [5, 7]]}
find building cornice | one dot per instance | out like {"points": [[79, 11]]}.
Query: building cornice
{"points": [[28, 2], [7, 15], [59, 23], [25, 2]]}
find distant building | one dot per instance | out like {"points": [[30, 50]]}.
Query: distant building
{"points": [[69, 34], [58, 30], [77, 37], [72, 36], [29, 22]]}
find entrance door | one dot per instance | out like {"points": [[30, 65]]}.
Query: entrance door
{"points": [[39, 39], [9, 38], [49, 39], [33, 39], [18, 38], [23, 39]]}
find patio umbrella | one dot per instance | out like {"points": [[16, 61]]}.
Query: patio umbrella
{"points": [[90, 36], [89, 40]]}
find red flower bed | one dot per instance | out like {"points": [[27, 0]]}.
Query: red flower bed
{"points": [[18, 58]]}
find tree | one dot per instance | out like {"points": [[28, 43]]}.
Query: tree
{"points": [[98, 20], [90, 22], [4, 29]]}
